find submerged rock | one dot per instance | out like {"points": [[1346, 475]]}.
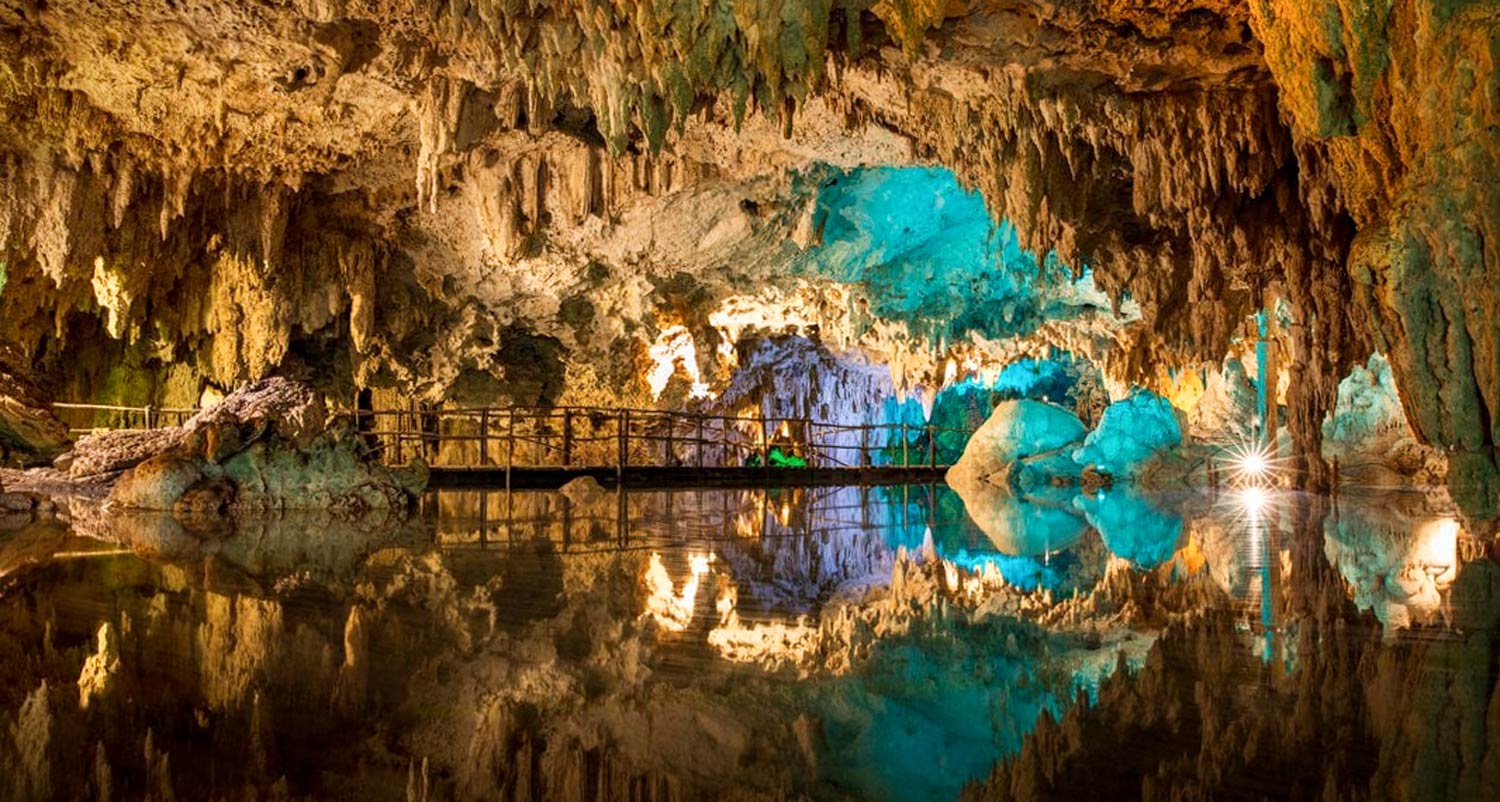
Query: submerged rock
{"points": [[583, 490]]}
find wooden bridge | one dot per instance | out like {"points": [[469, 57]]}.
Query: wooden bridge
{"points": [[547, 446]]}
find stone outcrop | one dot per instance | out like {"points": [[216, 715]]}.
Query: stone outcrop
{"points": [[109, 452], [268, 447]]}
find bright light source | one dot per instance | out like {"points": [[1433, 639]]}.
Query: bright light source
{"points": [[1251, 463], [699, 563], [1254, 464], [1435, 547], [674, 352], [1253, 500]]}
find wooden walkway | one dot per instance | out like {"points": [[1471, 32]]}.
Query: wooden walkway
{"points": [[548, 446]]}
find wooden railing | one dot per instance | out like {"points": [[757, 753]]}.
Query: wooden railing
{"points": [[594, 437], [85, 418]]}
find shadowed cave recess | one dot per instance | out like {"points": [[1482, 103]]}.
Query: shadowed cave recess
{"points": [[1172, 324]]}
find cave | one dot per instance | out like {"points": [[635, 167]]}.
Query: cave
{"points": [[750, 399]]}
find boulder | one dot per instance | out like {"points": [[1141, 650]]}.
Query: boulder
{"points": [[159, 482], [267, 448], [16, 502], [1131, 433], [1024, 433]]}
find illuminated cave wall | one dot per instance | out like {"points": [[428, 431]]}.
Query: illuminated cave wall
{"points": [[411, 179], [940, 313], [924, 250]]}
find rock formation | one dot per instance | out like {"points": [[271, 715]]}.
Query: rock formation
{"points": [[266, 448], [29, 432], [514, 201]]}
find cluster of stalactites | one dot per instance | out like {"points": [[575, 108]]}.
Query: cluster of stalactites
{"points": [[110, 238], [522, 172], [645, 64]]}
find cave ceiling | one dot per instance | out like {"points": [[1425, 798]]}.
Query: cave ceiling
{"points": [[400, 192]]}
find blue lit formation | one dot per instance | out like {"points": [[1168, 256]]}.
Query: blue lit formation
{"points": [[963, 406], [926, 252], [1047, 536]]}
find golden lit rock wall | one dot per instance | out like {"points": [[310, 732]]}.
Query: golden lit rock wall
{"points": [[308, 186]]}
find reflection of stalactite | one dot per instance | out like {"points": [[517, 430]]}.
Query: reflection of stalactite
{"points": [[32, 734], [1339, 714]]}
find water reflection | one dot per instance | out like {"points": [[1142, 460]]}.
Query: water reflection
{"points": [[1398, 558], [849, 642]]}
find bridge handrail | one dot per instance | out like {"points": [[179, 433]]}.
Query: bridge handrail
{"points": [[655, 434]]}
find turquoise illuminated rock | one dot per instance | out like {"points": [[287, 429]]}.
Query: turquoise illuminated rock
{"points": [[1129, 434], [927, 252]]}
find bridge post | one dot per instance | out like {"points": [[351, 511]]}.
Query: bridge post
{"points": [[724, 442], [863, 461], [810, 444], [931, 446], [624, 449], [905, 457], [396, 437], [484, 436], [567, 449], [765, 439], [510, 449], [671, 432], [700, 440]]}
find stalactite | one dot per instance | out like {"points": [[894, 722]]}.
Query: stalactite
{"points": [[1191, 156]]}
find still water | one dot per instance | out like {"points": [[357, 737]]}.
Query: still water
{"points": [[890, 643]]}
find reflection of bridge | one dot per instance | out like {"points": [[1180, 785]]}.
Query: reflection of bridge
{"points": [[542, 446], [634, 519]]}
